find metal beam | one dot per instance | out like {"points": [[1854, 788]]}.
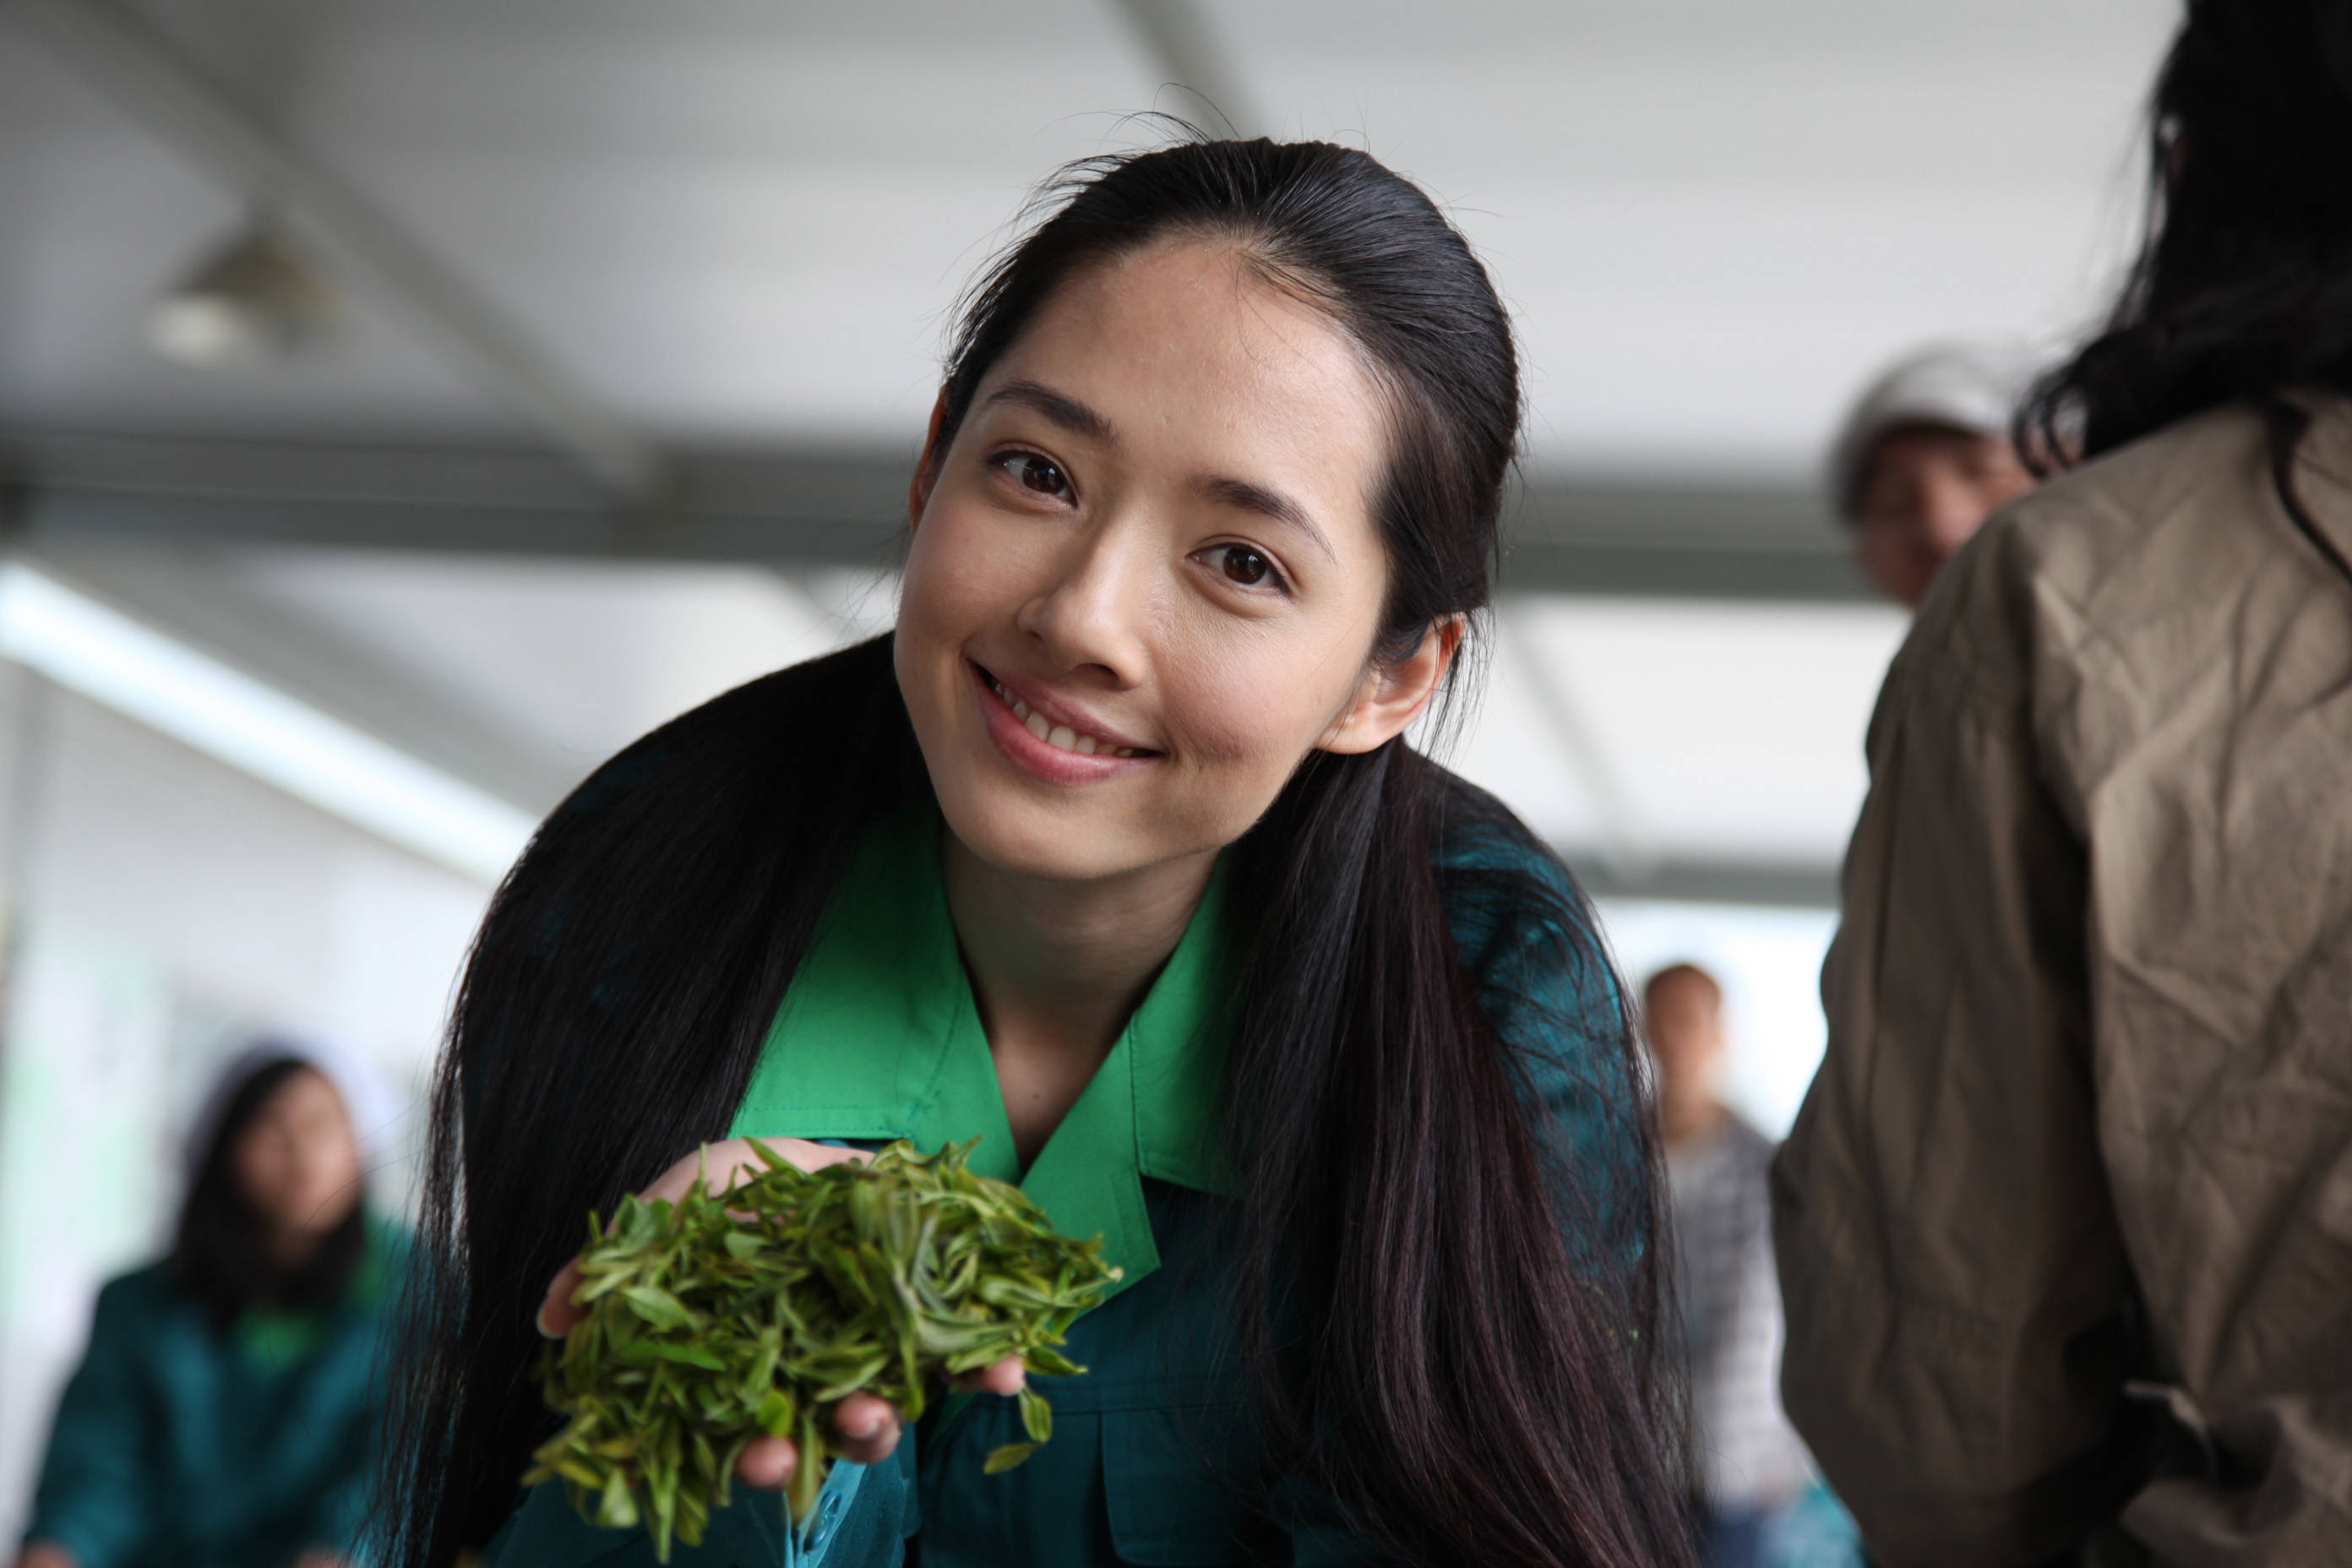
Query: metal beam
{"points": [[1184, 47], [1792, 885], [1757, 543], [152, 80]]}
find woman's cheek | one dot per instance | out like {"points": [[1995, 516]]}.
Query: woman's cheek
{"points": [[1251, 733]]}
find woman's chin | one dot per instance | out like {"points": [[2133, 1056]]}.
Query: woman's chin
{"points": [[1051, 851]]}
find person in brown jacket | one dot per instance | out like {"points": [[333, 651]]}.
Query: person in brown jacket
{"points": [[2066, 1226]]}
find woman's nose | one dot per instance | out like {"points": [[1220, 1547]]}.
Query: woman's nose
{"points": [[1095, 611]]}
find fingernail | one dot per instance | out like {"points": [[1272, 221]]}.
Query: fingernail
{"points": [[538, 1321]]}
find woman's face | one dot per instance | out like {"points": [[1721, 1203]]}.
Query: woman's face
{"points": [[1145, 578], [295, 1162]]}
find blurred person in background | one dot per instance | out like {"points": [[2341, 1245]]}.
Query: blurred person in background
{"points": [[2066, 1224], [220, 1416], [1925, 457], [1751, 1466]]}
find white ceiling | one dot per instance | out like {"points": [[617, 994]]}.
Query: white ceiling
{"points": [[741, 220], [746, 221]]}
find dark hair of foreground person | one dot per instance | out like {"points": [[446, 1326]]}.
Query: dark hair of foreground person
{"points": [[1448, 1322], [2243, 287]]}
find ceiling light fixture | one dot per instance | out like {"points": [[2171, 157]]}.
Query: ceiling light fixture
{"points": [[256, 297]]}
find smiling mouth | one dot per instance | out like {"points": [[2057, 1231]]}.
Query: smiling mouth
{"points": [[1061, 737]]}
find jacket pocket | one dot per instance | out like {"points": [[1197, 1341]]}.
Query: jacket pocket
{"points": [[1170, 1505]]}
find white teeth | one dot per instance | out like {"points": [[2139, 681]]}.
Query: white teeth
{"points": [[1059, 736]]}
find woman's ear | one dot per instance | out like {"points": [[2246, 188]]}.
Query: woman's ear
{"points": [[1392, 695], [918, 489]]}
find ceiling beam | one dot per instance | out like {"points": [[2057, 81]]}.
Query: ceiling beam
{"points": [[1184, 48], [1787, 885], [152, 80], [1563, 534]]}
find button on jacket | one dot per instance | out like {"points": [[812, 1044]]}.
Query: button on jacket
{"points": [[2066, 1224], [879, 1038]]}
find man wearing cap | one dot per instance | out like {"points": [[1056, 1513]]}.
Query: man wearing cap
{"points": [[1925, 457]]}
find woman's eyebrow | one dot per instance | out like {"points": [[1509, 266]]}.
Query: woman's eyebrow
{"points": [[1059, 406], [1266, 503]]}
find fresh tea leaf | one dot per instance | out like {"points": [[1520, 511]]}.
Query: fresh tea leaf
{"points": [[723, 1317]]}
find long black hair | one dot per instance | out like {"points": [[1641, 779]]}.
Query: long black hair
{"points": [[2242, 291], [1466, 1366], [218, 1252]]}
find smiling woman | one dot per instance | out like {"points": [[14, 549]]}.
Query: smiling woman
{"points": [[1113, 857]]}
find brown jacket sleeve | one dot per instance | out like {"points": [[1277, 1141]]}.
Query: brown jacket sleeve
{"points": [[1955, 1287]]}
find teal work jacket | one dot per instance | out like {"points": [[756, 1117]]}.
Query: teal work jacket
{"points": [[879, 1038], [177, 1445]]}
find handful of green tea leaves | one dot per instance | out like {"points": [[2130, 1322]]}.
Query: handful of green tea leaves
{"points": [[717, 1320]]}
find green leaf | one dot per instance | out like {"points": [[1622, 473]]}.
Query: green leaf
{"points": [[643, 1350], [1036, 1414], [659, 1308], [1012, 1455], [618, 1509]]}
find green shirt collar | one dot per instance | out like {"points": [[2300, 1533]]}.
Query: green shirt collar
{"points": [[880, 1038]]}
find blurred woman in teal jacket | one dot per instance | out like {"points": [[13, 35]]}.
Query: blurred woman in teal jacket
{"points": [[220, 1416]]}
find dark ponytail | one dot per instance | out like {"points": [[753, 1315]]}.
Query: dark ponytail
{"points": [[1449, 1300], [611, 1013], [2242, 291]]}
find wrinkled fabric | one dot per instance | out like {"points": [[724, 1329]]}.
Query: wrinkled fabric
{"points": [[2065, 1224]]}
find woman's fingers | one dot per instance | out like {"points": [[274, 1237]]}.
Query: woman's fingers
{"points": [[869, 1433], [1005, 1376], [557, 1315], [868, 1428], [767, 1463]]}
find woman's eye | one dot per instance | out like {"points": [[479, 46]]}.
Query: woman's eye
{"points": [[1041, 475], [1248, 567]]}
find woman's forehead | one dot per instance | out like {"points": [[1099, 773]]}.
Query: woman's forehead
{"points": [[1186, 352]]}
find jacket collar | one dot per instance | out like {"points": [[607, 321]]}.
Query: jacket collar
{"points": [[879, 1038]]}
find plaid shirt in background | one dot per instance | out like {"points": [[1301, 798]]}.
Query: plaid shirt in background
{"points": [[1750, 1457]]}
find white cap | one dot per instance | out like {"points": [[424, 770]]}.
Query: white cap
{"points": [[1966, 386]]}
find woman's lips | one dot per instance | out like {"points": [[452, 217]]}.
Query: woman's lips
{"points": [[1058, 755]]}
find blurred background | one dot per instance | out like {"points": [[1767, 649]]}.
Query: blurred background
{"points": [[405, 403]]}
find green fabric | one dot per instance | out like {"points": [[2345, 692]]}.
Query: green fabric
{"points": [[879, 1038], [175, 1446]]}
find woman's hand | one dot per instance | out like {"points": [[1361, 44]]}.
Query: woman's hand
{"points": [[868, 1425]]}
